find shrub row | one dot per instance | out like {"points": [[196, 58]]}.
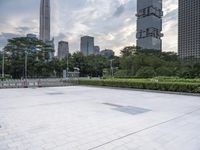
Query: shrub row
{"points": [[162, 86]]}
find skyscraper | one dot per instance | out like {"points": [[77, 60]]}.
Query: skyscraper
{"points": [[45, 14], [45, 20], [149, 24], [189, 29], [87, 45], [63, 49]]}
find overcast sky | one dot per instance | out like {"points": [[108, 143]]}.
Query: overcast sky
{"points": [[111, 22]]}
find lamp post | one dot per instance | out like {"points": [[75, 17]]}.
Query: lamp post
{"points": [[111, 67], [26, 67], [67, 63], [3, 63]]}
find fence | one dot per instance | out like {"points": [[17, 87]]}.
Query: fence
{"points": [[72, 79]]}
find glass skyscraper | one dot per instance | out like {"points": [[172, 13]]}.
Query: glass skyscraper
{"points": [[149, 24], [189, 29], [87, 45]]}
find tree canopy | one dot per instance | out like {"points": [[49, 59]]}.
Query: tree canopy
{"points": [[133, 62]]}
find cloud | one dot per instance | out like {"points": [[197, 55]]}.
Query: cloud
{"points": [[170, 25], [119, 11], [5, 36]]}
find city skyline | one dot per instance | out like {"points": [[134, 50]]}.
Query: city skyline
{"points": [[113, 27]]}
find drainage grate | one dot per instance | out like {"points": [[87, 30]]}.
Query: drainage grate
{"points": [[132, 110]]}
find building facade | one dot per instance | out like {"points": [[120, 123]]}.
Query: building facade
{"points": [[63, 49], [51, 49], [45, 20], [189, 29], [149, 24], [96, 50], [32, 36], [87, 45], [108, 53]]}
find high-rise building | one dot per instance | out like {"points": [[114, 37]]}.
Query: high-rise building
{"points": [[45, 20], [96, 50], [63, 49], [149, 24], [87, 45], [108, 53], [189, 29]]}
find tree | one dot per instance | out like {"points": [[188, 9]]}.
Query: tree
{"points": [[17, 49], [146, 72], [129, 51]]}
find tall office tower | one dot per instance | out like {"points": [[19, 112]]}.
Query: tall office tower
{"points": [[87, 45], [45, 20], [45, 26], [189, 29], [149, 24], [63, 49]]}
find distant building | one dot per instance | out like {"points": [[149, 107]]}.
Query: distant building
{"points": [[149, 24], [87, 45], [96, 50], [63, 49], [33, 36], [189, 29], [107, 53], [51, 48]]}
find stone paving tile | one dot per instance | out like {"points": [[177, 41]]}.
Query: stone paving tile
{"points": [[80, 119]]}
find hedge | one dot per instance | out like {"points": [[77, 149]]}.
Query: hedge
{"points": [[150, 85]]}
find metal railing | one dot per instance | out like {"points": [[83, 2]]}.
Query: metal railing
{"points": [[71, 80]]}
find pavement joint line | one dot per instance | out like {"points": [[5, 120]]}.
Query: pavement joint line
{"points": [[144, 129]]}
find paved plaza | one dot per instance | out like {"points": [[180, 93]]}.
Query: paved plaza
{"points": [[89, 118]]}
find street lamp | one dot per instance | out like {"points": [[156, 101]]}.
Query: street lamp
{"points": [[3, 63], [26, 66], [111, 67], [67, 63]]}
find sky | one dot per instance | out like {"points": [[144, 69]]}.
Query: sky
{"points": [[111, 22]]}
